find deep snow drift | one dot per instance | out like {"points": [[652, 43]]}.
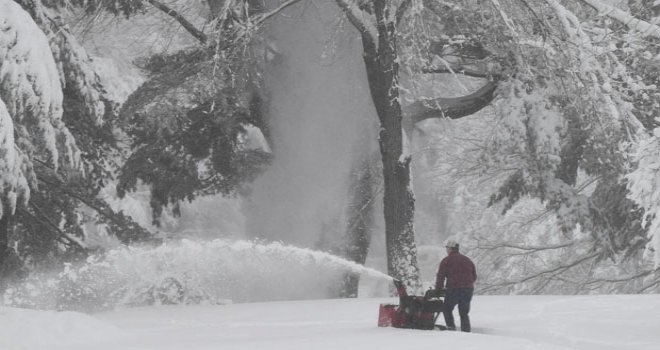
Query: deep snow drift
{"points": [[500, 322]]}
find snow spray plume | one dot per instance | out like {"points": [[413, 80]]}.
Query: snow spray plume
{"points": [[189, 272], [319, 109]]}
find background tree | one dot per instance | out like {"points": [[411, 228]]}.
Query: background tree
{"points": [[379, 24], [565, 111], [566, 119], [198, 123]]}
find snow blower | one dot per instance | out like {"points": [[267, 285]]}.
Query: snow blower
{"points": [[416, 312]]}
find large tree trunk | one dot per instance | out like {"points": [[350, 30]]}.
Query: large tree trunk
{"points": [[399, 205]]}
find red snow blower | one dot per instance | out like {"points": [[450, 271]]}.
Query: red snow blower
{"points": [[416, 312]]}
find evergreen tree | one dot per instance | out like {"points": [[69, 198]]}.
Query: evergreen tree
{"points": [[32, 98], [64, 126], [197, 124]]}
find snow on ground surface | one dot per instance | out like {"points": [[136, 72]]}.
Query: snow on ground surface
{"points": [[607, 322]]}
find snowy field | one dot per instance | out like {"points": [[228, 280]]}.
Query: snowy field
{"points": [[625, 322]]}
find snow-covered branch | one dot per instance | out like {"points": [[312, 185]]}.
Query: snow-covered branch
{"points": [[13, 182], [505, 17], [632, 22], [360, 19], [31, 87], [453, 108], [596, 77], [643, 185]]}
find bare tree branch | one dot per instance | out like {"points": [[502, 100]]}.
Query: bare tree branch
{"points": [[82, 199], [656, 282], [265, 16], [529, 247], [55, 181], [61, 236], [624, 279], [198, 34], [556, 270]]}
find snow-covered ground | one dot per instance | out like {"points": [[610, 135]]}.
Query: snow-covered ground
{"points": [[625, 322]]}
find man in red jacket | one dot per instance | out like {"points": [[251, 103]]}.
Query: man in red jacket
{"points": [[460, 273]]}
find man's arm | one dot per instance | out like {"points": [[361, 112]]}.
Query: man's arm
{"points": [[441, 275]]}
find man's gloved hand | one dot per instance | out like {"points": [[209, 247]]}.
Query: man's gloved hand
{"points": [[434, 293]]}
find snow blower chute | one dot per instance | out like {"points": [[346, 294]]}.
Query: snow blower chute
{"points": [[417, 312]]}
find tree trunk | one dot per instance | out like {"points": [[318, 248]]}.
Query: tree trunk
{"points": [[360, 222], [5, 229], [381, 61], [399, 205], [571, 152]]}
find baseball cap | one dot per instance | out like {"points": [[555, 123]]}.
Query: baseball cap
{"points": [[451, 244]]}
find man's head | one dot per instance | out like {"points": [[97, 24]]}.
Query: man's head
{"points": [[452, 246]]}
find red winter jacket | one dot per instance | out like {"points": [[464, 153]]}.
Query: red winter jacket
{"points": [[459, 271]]}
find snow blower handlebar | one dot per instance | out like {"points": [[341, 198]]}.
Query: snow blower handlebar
{"points": [[430, 294]]}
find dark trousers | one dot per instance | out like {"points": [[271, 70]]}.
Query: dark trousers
{"points": [[461, 297]]}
